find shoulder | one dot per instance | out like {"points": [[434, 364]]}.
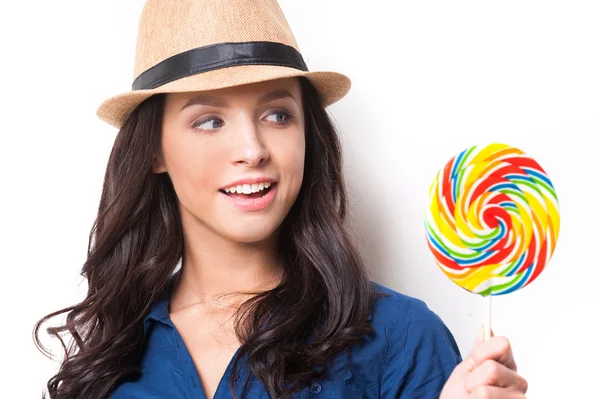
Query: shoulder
{"points": [[421, 352], [405, 325], [406, 320], [393, 308]]}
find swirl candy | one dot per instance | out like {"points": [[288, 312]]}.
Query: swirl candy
{"points": [[492, 221]]}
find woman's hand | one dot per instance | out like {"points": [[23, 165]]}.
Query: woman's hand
{"points": [[488, 372]]}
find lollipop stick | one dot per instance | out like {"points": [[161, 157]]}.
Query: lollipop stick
{"points": [[488, 325]]}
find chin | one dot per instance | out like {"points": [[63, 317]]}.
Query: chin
{"points": [[250, 234]]}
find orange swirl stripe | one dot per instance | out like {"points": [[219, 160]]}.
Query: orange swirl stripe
{"points": [[492, 221]]}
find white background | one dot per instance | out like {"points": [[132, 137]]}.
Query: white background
{"points": [[429, 79]]}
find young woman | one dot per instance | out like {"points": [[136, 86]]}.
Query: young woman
{"points": [[219, 265]]}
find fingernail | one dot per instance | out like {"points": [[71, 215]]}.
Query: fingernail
{"points": [[470, 364]]}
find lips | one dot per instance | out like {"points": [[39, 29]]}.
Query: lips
{"points": [[250, 181], [258, 194], [246, 202]]}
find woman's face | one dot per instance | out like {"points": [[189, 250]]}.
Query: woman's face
{"points": [[213, 139]]}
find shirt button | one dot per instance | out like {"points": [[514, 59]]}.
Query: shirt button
{"points": [[315, 387]]}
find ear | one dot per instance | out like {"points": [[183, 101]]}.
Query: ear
{"points": [[158, 164]]}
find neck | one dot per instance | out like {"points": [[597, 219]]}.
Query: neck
{"points": [[213, 266]]}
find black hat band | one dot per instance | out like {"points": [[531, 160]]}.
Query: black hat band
{"points": [[216, 56]]}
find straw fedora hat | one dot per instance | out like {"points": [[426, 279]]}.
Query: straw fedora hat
{"points": [[195, 45]]}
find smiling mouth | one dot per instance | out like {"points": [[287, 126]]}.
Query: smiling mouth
{"points": [[257, 194]]}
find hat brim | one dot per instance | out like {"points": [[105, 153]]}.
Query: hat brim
{"points": [[331, 86]]}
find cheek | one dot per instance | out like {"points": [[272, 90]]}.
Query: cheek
{"points": [[298, 164], [291, 162], [192, 169]]}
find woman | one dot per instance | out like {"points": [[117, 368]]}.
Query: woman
{"points": [[227, 164]]}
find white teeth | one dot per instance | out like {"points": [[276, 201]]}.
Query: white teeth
{"points": [[248, 188]]}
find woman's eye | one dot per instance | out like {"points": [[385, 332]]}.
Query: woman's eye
{"points": [[281, 117], [206, 124]]}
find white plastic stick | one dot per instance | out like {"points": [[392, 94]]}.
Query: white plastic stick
{"points": [[488, 325]]}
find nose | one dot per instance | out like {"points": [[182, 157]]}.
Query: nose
{"points": [[248, 148]]}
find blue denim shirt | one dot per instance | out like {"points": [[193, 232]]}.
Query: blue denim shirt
{"points": [[411, 356]]}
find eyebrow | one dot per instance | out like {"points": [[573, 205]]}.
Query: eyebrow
{"points": [[204, 99]]}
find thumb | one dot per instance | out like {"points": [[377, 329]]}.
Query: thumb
{"points": [[468, 364], [479, 339]]}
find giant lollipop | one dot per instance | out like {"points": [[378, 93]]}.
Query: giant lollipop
{"points": [[492, 221]]}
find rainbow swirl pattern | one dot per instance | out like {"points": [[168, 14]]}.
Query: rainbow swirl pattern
{"points": [[492, 220]]}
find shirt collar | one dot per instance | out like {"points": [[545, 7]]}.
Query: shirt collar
{"points": [[160, 310]]}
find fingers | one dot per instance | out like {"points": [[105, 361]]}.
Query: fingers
{"points": [[488, 392], [462, 369], [496, 348], [492, 373]]}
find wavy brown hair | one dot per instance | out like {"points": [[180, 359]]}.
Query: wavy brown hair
{"points": [[136, 243]]}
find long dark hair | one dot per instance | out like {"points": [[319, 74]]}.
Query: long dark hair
{"points": [[136, 244]]}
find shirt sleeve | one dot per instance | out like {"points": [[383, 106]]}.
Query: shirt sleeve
{"points": [[421, 356]]}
